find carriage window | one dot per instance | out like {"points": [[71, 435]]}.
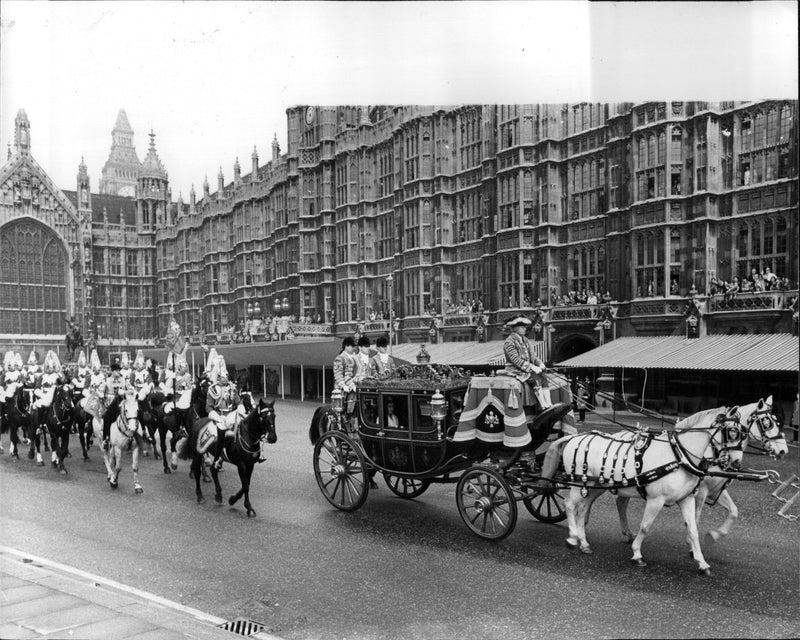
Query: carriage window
{"points": [[395, 412], [369, 409], [422, 409]]}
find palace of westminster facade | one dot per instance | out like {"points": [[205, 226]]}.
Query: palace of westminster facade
{"points": [[503, 208]]}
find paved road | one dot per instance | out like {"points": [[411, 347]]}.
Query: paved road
{"points": [[396, 568]]}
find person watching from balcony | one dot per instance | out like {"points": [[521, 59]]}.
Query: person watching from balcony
{"points": [[770, 280]]}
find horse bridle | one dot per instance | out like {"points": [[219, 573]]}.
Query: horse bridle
{"points": [[270, 411], [759, 417], [125, 419], [734, 435]]}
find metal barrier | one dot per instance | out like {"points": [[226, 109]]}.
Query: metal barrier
{"points": [[784, 488]]}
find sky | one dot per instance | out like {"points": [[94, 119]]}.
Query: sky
{"points": [[213, 79]]}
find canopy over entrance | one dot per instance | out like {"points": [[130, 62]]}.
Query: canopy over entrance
{"points": [[752, 352]]}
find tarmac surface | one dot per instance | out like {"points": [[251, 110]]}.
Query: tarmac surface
{"points": [[40, 598], [44, 599]]}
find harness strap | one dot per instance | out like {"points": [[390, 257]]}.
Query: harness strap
{"points": [[683, 458]]}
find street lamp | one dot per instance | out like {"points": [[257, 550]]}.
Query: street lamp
{"points": [[285, 305], [276, 306], [438, 411], [390, 282]]}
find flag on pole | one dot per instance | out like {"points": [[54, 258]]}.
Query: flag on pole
{"points": [[175, 341]]}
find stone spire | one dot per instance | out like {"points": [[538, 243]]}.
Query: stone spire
{"points": [[276, 149], [151, 166], [22, 133], [254, 157]]}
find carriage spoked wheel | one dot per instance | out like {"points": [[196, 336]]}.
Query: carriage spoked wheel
{"points": [[406, 487], [486, 503], [341, 471], [546, 504]]}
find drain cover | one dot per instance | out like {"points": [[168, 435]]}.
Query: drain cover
{"points": [[242, 626]]}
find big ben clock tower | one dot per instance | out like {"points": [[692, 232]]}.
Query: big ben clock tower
{"points": [[121, 170]]}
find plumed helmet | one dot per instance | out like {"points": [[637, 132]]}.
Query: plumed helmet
{"points": [[51, 362], [519, 321], [18, 361], [181, 366], [125, 361], [211, 361], [8, 360], [33, 358], [81, 360], [139, 362], [94, 359], [221, 369]]}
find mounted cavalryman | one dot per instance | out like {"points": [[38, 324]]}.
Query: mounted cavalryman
{"points": [[224, 407]]}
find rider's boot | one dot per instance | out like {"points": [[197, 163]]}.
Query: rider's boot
{"points": [[106, 435], [219, 446]]}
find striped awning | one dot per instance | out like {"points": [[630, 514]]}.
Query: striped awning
{"points": [[459, 354], [753, 352]]}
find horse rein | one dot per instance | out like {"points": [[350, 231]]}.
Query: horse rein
{"points": [[759, 418], [270, 411]]}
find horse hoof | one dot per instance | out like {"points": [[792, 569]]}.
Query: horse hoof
{"points": [[201, 500], [31, 455], [587, 550], [138, 490], [63, 472], [710, 538], [166, 470], [251, 513], [206, 479], [146, 454], [114, 485], [54, 463], [705, 572], [571, 545], [638, 562], [218, 498], [40, 463], [174, 467], [231, 501]]}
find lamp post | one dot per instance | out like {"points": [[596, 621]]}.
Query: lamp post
{"points": [[390, 282], [285, 306]]}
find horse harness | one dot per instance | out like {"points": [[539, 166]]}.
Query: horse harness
{"points": [[639, 445], [124, 419], [239, 440]]}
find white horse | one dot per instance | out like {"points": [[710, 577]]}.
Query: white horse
{"points": [[663, 469], [758, 423], [125, 430]]}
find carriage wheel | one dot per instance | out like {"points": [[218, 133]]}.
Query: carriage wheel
{"points": [[341, 471], [406, 487], [546, 504], [486, 503]]}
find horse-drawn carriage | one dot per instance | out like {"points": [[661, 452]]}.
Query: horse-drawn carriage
{"points": [[429, 424]]}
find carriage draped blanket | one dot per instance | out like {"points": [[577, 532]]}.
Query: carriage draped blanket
{"points": [[493, 412]]}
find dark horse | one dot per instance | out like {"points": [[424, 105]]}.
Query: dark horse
{"points": [[242, 448], [17, 416], [57, 418], [80, 418], [152, 416]]}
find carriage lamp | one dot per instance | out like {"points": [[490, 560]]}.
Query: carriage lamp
{"points": [[337, 403], [438, 411]]}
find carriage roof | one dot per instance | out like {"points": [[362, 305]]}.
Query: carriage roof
{"points": [[420, 377]]}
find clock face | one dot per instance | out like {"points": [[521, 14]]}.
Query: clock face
{"points": [[309, 115], [127, 191]]}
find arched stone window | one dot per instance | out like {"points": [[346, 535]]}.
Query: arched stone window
{"points": [[33, 279]]}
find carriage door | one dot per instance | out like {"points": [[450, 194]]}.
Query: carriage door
{"points": [[33, 279]]}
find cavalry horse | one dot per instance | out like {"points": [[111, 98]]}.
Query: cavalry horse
{"points": [[758, 423], [664, 469], [17, 416], [57, 418], [80, 419], [125, 430], [242, 449]]}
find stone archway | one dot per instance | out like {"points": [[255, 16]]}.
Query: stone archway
{"points": [[34, 276], [572, 346]]}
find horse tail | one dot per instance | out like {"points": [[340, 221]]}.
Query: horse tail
{"points": [[553, 457]]}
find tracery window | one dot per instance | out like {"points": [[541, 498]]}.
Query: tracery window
{"points": [[33, 279]]}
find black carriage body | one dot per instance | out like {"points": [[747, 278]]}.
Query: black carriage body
{"points": [[415, 446]]}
